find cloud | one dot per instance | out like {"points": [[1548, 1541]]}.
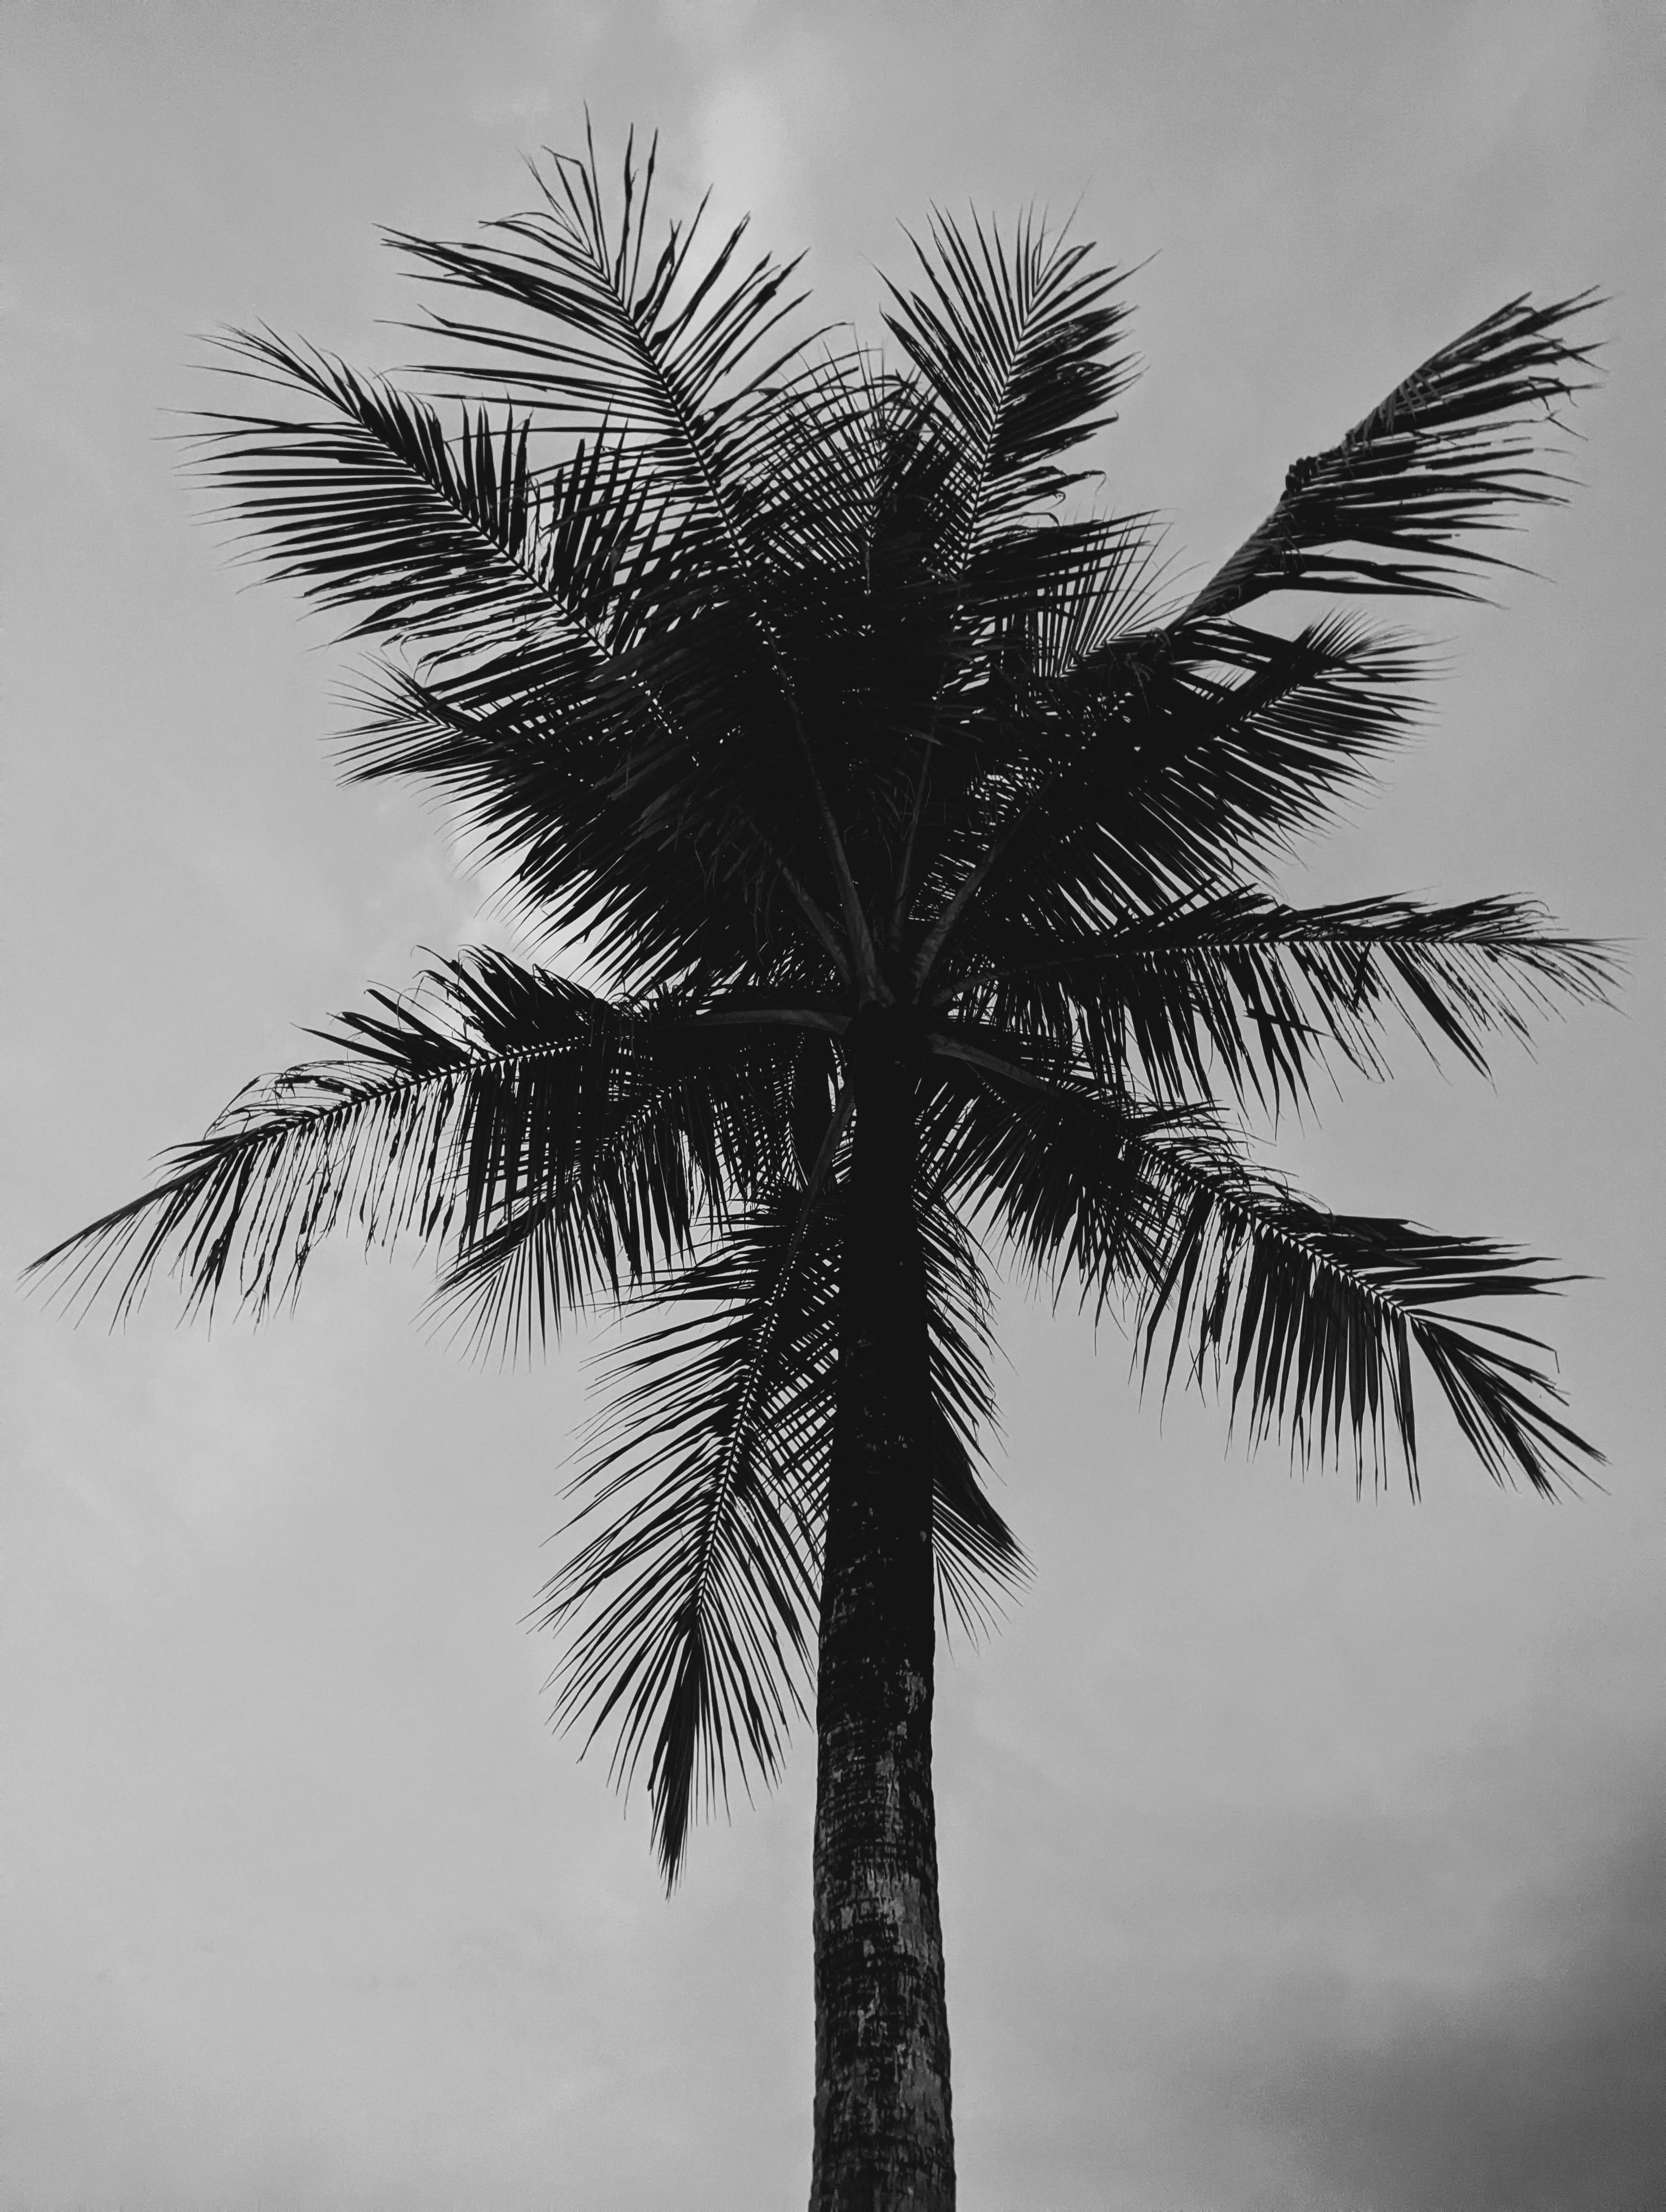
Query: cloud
{"points": [[758, 131], [1532, 2088], [745, 142]]}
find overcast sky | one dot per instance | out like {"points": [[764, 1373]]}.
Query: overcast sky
{"points": [[1298, 1854]]}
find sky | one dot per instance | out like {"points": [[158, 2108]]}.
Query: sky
{"points": [[1299, 1853]]}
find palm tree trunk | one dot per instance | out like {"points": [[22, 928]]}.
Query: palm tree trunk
{"points": [[882, 2133]]}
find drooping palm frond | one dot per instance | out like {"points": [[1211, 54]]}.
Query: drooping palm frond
{"points": [[1089, 1212], [1314, 1316], [501, 1287], [1244, 989], [498, 1087], [1451, 453], [690, 1617]]}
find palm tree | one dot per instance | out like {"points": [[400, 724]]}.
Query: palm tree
{"points": [[911, 847]]}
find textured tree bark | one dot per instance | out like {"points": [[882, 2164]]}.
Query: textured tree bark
{"points": [[884, 2139]]}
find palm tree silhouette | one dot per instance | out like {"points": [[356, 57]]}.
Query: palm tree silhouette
{"points": [[907, 838]]}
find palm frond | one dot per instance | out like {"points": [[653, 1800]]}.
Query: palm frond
{"points": [[979, 1560], [445, 539], [659, 863], [1017, 341], [1157, 766], [649, 362], [1451, 453], [689, 1617], [1048, 1163], [663, 352], [498, 1087], [606, 335], [1009, 344], [1242, 988], [558, 625], [776, 1105], [1311, 1318], [1050, 602]]}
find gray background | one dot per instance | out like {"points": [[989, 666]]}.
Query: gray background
{"points": [[1297, 1852]]}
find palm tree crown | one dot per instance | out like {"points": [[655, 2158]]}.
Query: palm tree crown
{"points": [[811, 725]]}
